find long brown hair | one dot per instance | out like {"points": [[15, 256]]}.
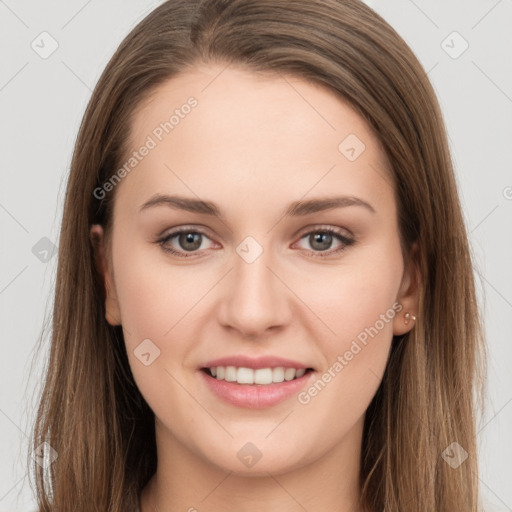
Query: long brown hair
{"points": [[91, 411]]}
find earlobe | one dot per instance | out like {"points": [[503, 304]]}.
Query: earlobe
{"points": [[404, 323], [408, 295], [112, 312], [408, 317]]}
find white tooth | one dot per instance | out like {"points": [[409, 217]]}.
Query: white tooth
{"points": [[230, 373], [289, 373], [245, 375], [278, 374], [263, 376]]}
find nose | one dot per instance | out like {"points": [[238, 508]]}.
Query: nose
{"points": [[256, 299]]}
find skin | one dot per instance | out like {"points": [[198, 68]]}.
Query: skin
{"points": [[253, 145]]}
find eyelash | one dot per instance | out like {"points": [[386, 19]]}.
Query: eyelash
{"points": [[346, 241]]}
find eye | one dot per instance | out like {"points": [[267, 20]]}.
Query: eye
{"points": [[321, 241], [190, 240]]}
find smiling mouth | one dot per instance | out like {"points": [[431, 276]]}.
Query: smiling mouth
{"points": [[260, 376]]}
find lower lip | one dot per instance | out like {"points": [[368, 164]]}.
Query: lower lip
{"points": [[255, 396]]}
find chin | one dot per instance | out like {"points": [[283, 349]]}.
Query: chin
{"points": [[254, 458]]}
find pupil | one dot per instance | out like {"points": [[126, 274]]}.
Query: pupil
{"points": [[326, 238], [190, 238]]}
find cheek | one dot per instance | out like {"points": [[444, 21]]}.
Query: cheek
{"points": [[152, 300], [353, 295], [153, 294], [359, 305], [355, 362]]}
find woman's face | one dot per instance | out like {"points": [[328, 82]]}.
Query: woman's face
{"points": [[272, 274]]}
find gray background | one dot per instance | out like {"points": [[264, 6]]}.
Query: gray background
{"points": [[42, 101]]}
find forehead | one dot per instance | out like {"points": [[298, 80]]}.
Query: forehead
{"points": [[274, 99], [259, 133]]}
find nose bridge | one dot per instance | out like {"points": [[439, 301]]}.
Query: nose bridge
{"points": [[256, 299]]}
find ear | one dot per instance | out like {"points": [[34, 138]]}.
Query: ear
{"points": [[408, 294], [112, 311]]}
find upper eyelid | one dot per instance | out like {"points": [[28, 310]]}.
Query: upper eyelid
{"points": [[324, 227]]}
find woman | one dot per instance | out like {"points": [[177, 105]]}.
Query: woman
{"points": [[265, 296]]}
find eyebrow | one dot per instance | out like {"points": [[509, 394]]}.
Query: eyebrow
{"points": [[295, 209]]}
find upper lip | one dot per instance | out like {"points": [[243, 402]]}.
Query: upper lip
{"points": [[254, 362]]}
